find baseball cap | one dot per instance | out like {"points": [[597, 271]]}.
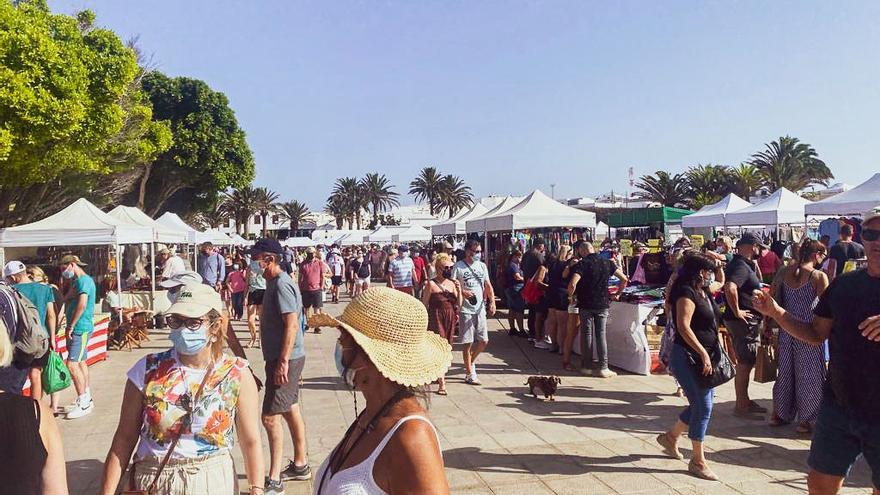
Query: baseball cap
{"points": [[267, 245], [403, 248], [194, 301], [70, 258], [872, 214], [750, 238], [183, 278], [13, 268]]}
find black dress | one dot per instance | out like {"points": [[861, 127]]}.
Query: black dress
{"points": [[22, 453]]}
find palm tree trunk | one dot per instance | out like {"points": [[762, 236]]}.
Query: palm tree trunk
{"points": [[263, 215]]}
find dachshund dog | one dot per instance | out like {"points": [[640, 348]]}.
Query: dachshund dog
{"points": [[546, 384]]}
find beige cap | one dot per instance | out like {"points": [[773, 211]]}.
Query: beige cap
{"points": [[70, 258], [194, 301], [870, 215]]}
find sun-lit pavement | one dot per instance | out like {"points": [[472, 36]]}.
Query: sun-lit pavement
{"points": [[596, 438]]}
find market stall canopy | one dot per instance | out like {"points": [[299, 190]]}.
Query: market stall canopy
{"points": [[539, 211], [215, 237], [457, 225], [384, 233], [853, 202], [478, 224], [643, 217], [240, 241], [780, 208], [715, 215], [80, 224], [353, 238], [161, 233], [299, 242], [173, 221], [412, 234]]}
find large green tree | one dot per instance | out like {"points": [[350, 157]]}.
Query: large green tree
{"points": [[266, 202], [707, 184], [209, 154], [296, 213], [454, 195], [427, 187], [241, 203], [664, 188], [791, 164], [377, 191]]}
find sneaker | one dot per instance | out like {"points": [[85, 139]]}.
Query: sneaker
{"points": [[80, 410], [472, 379], [605, 373], [542, 345], [274, 487], [586, 371], [296, 473]]}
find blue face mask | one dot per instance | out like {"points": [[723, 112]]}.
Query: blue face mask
{"points": [[188, 341], [347, 374], [478, 256], [68, 274]]}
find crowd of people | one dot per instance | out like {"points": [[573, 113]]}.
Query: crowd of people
{"points": [[184, 408]]}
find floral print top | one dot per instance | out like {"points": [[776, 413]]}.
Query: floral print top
{"points": [[169, 388]]}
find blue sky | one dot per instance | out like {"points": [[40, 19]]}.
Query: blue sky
{"points": [[513, 95]]}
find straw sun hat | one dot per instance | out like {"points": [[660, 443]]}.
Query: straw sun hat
{"points": [[392, 328]]}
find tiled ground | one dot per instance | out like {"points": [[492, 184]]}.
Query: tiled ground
{"points": [[596, 438]]}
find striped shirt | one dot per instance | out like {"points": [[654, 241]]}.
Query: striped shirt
{"points": [[401, 270]]}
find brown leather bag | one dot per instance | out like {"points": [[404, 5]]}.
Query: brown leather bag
{"points": [[151, 490]]}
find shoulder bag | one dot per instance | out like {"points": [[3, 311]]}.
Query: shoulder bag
{"points": [[722, 368], [151, 490], [533, 291]]}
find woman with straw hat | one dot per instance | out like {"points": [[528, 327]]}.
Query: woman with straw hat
{"points": [[386, 352]]}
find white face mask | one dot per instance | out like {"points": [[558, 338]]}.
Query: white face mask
{"points": [[709, 281]]}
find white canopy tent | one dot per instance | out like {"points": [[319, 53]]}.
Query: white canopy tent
{"points": [[353, 238], [239, 240], [855, 201], [537, 211], [161, 233], [412, 234], [214, 237], [384, 233], [173, 221], [478, 224], [780, 208], [80, 224], [715, 215], [299, 242], [457, 225]]}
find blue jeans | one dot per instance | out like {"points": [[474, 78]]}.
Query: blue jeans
{"points": [[697, 414], [593, 321]]}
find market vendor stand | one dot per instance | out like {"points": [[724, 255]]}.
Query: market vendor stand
{"points": [[648, 223]]}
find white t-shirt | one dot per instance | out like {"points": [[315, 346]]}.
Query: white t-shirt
{"points": [[173, 266], [472, 278], [337, 265]]}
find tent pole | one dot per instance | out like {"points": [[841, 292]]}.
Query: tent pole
{"points": [[152, 275], [119, 280]]}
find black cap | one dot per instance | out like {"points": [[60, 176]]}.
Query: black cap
{"points": [[267, 245], [750, 238]]}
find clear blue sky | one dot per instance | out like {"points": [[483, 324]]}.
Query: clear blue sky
{"points": [[516, 95]]}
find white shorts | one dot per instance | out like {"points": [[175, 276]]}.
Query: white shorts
{"points": [[364, 281], [472, 327]]}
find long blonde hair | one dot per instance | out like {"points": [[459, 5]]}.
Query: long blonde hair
{"points": [[221, 321], [563, 252], [37, 274]]}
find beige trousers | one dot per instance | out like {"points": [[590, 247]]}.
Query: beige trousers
{"points": [[204, 475]]}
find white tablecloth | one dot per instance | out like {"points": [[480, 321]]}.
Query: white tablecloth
{"points": [[625, 334], [141, 299]]}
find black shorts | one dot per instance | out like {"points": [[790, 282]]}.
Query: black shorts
{"points": [[279, 398], [255, 297], [41, 361], [312, 299], [336, 280]]}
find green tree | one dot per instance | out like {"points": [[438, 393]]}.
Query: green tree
{"points": [[336, 206], [707, 184], [745, 180], [241, 204], [349, 197], [454, 195], [296, 213], [266, 202], [377, 191], [214, 216], [791, 164], [209, 154], [427, 186], [663, 188]]}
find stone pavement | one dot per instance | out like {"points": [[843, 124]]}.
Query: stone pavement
{"points": [[596, 438]]}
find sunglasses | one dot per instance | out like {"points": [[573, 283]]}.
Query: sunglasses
{"points": [[870, 235], [175, 322]]}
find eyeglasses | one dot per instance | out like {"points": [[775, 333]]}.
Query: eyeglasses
{"points": [[175, 322], [870, 235]]}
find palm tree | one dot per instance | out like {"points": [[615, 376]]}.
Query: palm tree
{"points": [[745, 180], [427, 186], [707, 184], [296, 213], [790, 164], [669, 190], [215, 215], [241, 204], [265, 202], [349, 192], [377, 192], [454, 195], [336, 207]]}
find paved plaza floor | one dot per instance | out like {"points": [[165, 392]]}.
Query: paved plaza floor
{"points": [[596, 438]]}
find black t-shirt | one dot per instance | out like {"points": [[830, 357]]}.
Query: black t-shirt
{"points": [[592, 288], [557, 293], [843, 251], [854, 368], [530, 263], [704, 322], [743, 273]]}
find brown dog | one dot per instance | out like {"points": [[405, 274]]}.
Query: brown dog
{"points": [[546, 384]]}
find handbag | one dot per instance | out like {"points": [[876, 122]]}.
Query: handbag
{"points": [[532, 292], [56, 376], [151, 490], [767, 362], [722, 368]]}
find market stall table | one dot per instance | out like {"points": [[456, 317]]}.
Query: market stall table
{"points": [[628, 347]]}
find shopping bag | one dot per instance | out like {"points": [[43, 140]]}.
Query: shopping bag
{"points": [[56, 376], [766, 365]]}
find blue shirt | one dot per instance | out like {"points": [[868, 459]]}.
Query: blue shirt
{"points": [[38, 294], [212, 268], [401, 270], [85, 324]]}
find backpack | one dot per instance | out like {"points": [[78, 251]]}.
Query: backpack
{"points": [[29, 337], [364, 270]]}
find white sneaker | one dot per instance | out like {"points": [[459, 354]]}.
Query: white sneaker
{"points": [[80, 411], [605, 373], [473, 379], [540, 344]]}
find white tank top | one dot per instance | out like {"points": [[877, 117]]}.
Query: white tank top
{"points": [[358, 479]]}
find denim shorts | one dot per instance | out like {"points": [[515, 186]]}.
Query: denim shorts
{"points": [[838, 440]]}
